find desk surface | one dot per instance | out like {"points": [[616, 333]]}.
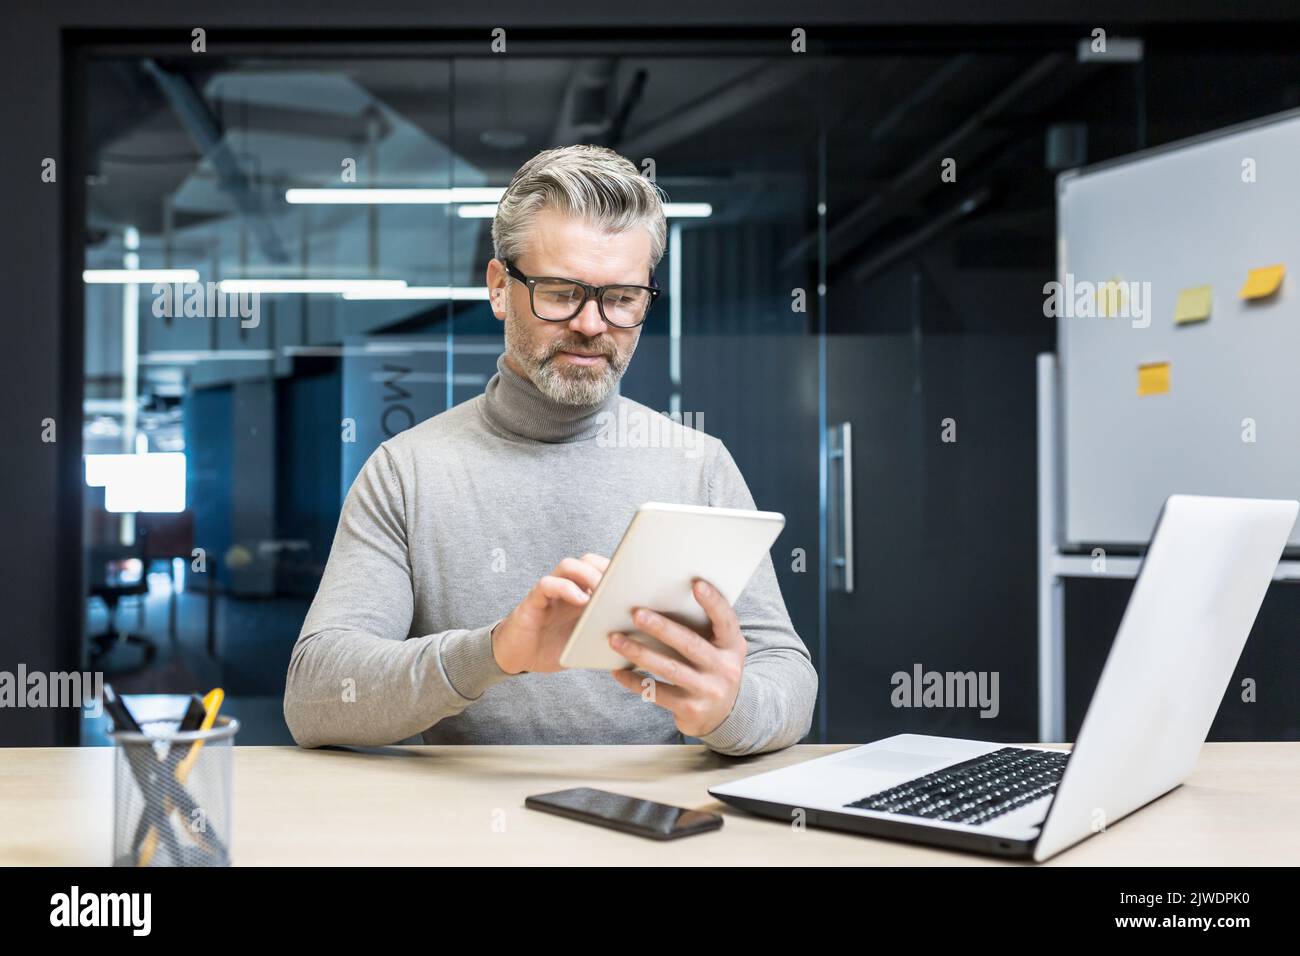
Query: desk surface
{"points": [[464, 806]]}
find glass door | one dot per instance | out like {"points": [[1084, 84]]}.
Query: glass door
{"points": [[941, 170]]}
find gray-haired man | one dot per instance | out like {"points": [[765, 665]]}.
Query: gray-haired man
{"points": [[455, 580]]}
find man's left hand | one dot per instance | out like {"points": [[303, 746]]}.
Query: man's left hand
{"points": [[703, 688]]}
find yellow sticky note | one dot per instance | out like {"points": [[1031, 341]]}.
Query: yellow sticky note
{"points": [[1263, 282], [1112, 298], [1194, 304], [1153, 379]]}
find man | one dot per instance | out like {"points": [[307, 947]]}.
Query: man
{"points": [[517, 494]]}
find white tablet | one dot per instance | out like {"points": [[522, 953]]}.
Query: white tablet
{"points": [[665, 548]]}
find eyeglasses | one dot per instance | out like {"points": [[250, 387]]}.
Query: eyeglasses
{"points": [[554, 299]]}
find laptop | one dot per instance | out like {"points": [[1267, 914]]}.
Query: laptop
{"points": [[1197, 592]]}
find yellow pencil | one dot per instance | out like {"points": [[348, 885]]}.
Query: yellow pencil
{"points": [[211, 705]]}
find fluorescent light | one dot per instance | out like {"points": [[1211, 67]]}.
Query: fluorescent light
{"points": [[479, 202], [672, 210], [309, 286], [150, 482], [189, 357], [458, 293], [401, 197], [137, 276], [1118, 50], [107, 406], [688, 210]]}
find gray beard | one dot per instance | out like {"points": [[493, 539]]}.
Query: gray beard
{"points": [[572, 386]]}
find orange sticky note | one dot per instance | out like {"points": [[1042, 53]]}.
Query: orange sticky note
{"points": [[1153, 379], [1263, 282], [1194, 304]]}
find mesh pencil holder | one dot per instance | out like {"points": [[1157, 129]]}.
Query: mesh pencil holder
{"points": [[171, 794]]}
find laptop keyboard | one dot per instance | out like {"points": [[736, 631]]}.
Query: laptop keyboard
{"points": [[974, 791]]}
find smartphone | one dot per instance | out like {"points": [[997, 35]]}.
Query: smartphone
{"points": [[658, 821]]}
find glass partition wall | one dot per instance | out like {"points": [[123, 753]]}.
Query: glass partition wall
{"points": [[285, 260], [285, 266]]}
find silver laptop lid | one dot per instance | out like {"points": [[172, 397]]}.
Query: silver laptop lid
{"points": [[1197, 593]]}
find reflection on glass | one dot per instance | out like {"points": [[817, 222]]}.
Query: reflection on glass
{"points": [[285, 266]]}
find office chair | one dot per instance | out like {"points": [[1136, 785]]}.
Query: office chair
{"points": [[108, 584], [167, 537]]}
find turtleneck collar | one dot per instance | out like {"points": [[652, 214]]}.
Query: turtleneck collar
{"points": [[513, 404]]}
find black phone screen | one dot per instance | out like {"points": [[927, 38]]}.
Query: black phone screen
{"points": [[659, 821]]}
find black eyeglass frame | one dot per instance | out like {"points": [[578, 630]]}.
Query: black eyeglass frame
{"points": [[589, 292]]}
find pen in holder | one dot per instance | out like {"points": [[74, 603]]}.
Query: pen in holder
{"points": [[171, 794]]}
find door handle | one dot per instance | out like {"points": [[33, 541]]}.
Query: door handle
{"points": [[839, 444]]}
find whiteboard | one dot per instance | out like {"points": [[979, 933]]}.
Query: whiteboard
{"points": [[1178, 217]]}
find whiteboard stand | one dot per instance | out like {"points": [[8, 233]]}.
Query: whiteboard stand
{"points": [[1054, 566], [1051, 589]]}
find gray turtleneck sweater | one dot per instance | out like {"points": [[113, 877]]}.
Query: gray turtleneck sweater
{"points": [[448, 526]]}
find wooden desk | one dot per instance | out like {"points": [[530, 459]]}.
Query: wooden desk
{"points": [[464, 806]]}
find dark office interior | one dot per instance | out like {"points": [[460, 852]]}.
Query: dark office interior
{"points": [[822, 271]]}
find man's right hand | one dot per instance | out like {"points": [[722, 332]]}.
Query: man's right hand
{"points": [[533, 635]]}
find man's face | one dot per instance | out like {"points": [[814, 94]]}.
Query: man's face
{"points": [[578, 362]]}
